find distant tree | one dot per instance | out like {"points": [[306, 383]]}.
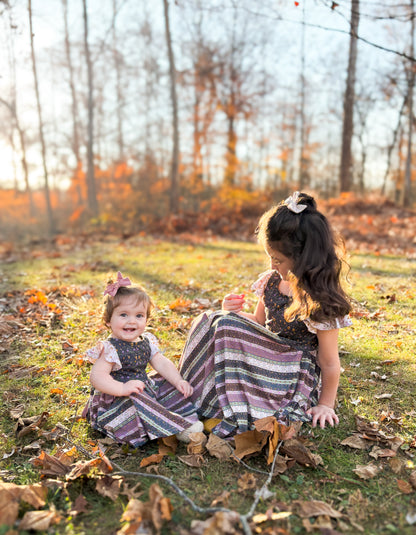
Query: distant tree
{"points": [[174, 178], [91, 186], [51, 224], [407, 197], [348, 120], [74, 102]]}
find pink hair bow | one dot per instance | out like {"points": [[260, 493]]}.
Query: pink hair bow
{"points": [[292, 203], [113, 287]]}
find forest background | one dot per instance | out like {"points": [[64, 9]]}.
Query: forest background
{"points": [[131, 117]]}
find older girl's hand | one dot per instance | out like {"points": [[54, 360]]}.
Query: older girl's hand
{"points": [[132, 387], [322, 414], [233, 303]]}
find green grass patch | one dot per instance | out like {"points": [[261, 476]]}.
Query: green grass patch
{"points": [[43, 371]]}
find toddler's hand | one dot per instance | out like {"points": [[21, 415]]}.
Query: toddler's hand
{"points": [[322, 414], [233, 302], [184, 388], [132, 387]]}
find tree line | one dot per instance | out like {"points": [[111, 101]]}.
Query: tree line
{"points": [[134, 112]]}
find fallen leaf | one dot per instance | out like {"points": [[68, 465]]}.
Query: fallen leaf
{"points": [[261, 517], [377, 452], [247, 482], [221, 499], [405, 486], [367, 471], [197, 443], [168, 445], [39, 520], [80, 505], [219, 448], [295, 449], [249, 442], [109, 486], [195, 460], [412, 479], [156, 458], [315, 508], [222, 523], [397, 465]]}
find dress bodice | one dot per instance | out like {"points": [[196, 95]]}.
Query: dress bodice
{"points": [[134, 357], [275, 304]]}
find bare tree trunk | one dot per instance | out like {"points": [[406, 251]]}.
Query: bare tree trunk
{"points": [[51, 224], [348, 124], [174, 193], [117, 65], [407, 197], [391, 147], [74, 103], [91, 188], [302, 170]]}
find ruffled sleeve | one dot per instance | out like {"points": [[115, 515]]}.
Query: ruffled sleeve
{"points": [[259, 286], [337, 323], [154, 343], [108, 351]]}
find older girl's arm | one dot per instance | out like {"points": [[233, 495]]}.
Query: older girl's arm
{"points": [[328, 360]]}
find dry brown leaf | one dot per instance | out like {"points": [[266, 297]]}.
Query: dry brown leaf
{"points": [[219, 448], [154, 512], [83, 468], [80, 505], [17, 411], [295, 449], [168, 445], [25, 426], [9, 503], [131, 492], [197, 443], [412, 479], [315, 508], [39, 520], [405, 486], [109, 486], [50, 465], [397, 465], [221, 499], [222, 523], [270, 515], [247, 481], [195, 461], [282, 464], [377, 453], [367, 471], [156, 458], [249, 442], [355, 441]]}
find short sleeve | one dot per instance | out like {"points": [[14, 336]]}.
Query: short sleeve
{"points": [[153, 342], [337, 323], [108, 351], [259, 286]]}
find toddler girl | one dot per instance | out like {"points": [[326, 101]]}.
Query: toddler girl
{"points": [[125, 403]]}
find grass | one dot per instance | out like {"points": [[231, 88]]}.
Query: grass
{"points": [[43, 370]]}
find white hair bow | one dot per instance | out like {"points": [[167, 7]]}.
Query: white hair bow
{"points": [[292, 203]]}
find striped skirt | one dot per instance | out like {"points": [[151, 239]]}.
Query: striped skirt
{"points": [[159, 411], [241, 372]]}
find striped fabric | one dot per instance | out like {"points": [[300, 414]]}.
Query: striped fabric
{"points": [[242, 372], [159, 411]]}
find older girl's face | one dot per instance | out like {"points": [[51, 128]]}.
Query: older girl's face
{"points": [[279, 262]]}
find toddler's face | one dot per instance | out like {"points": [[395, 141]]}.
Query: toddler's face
{"points": [[128, 320], [279, 262]]}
